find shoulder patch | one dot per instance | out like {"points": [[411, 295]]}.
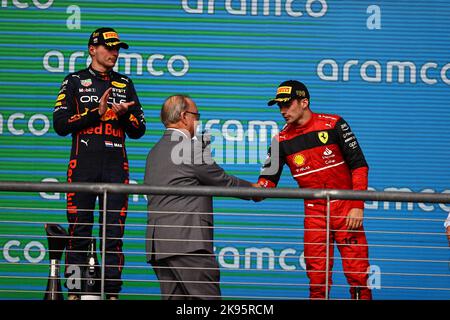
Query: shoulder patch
{"points": [[327, 121], [328, 117], [119, 85]]}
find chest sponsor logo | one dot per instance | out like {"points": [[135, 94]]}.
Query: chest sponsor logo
{"points": [[96, 99], [323, 136], [118, 84], [327, 152], [86, 82], [115, 90], [304, 169], [328, 156], [109, 115], [299, 160], [91, 90], [104, 128]]}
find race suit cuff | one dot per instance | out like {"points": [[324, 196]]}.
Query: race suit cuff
{"points": [[358, 204], [266, 183]]}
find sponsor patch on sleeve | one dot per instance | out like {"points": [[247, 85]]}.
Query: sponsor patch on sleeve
{"points": [[118, 84]]}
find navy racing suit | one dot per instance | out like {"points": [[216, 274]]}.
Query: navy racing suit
{"points": [[98, 154]]}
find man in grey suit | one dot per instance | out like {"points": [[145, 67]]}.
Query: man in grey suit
{"points": [[179, 238]]}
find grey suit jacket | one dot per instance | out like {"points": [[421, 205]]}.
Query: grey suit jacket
{"points": [[181, 224]]}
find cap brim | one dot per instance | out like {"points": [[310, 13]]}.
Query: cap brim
{"points": [[271, 102], [123, 45], [117, 44], [276, 100]]}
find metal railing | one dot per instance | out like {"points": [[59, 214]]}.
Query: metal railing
{"points": [[329, 195]]}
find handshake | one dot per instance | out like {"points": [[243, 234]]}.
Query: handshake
{"points": [[257, 199]]}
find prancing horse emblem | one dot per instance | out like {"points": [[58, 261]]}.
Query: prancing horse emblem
{"points": [[323, 136]]}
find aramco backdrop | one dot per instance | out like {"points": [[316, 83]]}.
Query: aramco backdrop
{"points": [[382, 65]]}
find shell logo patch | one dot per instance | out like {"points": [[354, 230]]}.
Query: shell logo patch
{"points": [[118, 84], [299, 160], [60, 97], [323, 136]]}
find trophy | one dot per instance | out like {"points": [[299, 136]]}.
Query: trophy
{"points": [[57, 240]]}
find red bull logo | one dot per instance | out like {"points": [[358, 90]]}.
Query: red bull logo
{"points": [[78, 116], [108, 130], [71, 207], [109, 115], [134, 121], [74, 118]]}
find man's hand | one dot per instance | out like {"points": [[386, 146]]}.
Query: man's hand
{"points": [[103, 105], [354, 219], [122, 108], [257, 199], [448, 235]]}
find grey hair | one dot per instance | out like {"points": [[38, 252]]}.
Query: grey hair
{"points": [[173, 107]]}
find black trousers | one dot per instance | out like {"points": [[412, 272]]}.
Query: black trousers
{"points": [[189, 277], [80, 215]]}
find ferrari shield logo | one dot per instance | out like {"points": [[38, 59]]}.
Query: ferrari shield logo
{"points": [[323, 136]]}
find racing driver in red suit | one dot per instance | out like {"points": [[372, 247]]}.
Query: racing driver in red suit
{"points": [[98, 106], [322, 152]]}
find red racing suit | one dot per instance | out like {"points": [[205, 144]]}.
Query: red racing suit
{"points": [[98, 154], [324, 154]]}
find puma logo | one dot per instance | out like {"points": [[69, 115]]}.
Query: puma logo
{"points": [[85, 142]]}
